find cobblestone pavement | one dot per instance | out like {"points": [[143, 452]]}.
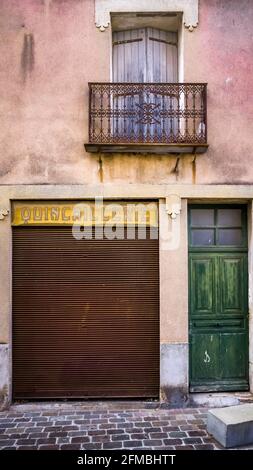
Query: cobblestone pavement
{"points": [[102, 426]]}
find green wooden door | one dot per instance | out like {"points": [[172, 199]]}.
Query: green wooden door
{"points": [[218, 294]]}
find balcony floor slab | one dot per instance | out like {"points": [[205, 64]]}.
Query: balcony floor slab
{"points": [[146, 148]]}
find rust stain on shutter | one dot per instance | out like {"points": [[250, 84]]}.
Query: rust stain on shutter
{"points": [[126, 41], [85, 315]]}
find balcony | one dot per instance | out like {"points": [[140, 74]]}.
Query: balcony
{"points": [[147, 118]]}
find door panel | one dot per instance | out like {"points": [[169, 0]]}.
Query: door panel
{"points": [[202, 285], [233, 347], [218, 300], [129, 56], [129, 65], [205, 360], [161, 56], [162, 67], [232, 286], [218, 360]]}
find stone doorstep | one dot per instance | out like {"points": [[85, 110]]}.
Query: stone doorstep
{"points": [[231, 426], [219, 399]]}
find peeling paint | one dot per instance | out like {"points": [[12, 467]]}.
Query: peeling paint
{"points": [[228, 80], [207, 358]]}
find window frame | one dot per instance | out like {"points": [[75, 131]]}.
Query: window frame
{"points": [[215, 247]]}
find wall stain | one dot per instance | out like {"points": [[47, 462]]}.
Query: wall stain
{"points": [[27, 56], [174, 397], [194, 169], [100, 170], [7, 167], [175, 170], [47, 4]]}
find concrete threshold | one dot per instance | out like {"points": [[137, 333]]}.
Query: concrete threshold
{"points": [[85, 405], [220, 399]]}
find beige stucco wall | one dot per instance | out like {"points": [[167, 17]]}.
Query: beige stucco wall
{"points": [[5, 273], [173, 276], [43, 114]]}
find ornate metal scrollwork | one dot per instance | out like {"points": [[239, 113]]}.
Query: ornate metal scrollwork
{"points": [[162, 113]]}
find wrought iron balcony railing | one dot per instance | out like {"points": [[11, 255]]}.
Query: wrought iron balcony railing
{"points": [[147, 117]]}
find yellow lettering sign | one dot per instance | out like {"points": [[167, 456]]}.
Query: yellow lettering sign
{"points": [[86, 213]]}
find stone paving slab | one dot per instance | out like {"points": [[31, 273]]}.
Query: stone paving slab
{"points": [[108, 425]]}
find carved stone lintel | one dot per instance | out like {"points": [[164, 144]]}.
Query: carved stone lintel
{"points": [[173, 205], [3, 213], [103, 9]]}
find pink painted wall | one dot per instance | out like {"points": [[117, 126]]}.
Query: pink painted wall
{"points": [[220, 52], [50, 49], [44, 103]]}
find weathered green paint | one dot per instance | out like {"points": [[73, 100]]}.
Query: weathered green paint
{"points": [[218, 311]]}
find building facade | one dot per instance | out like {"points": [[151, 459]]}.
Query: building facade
{"points": [[143, 106]]}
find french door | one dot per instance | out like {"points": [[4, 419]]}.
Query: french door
{"points": [[144, 55]]}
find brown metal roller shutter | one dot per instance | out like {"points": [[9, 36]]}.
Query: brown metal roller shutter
{"points": [[85, 315]]}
